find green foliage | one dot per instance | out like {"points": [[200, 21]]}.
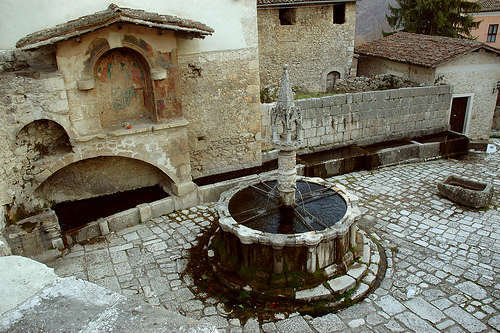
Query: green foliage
{"points": [[449, 18]]}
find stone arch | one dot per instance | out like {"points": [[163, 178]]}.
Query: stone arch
{"points": [[329, 70], [62, 121], [74, 158], [99, 175], [42, 138], [100, 46]]}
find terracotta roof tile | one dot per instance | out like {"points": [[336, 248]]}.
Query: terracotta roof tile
{"points": [[113, 14], [489, 5], [423, 50]]}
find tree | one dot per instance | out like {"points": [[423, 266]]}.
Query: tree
{"points": [[449, 18]]}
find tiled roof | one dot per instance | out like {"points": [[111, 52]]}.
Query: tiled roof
{"points": [[277, 3], [423, 50], [113, 14], [489, 5]]}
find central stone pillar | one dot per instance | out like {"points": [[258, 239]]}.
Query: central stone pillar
{"points": [[286, 123], [287, 174]]}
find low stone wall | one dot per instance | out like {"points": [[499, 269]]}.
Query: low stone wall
{"points": [[368, 117]]}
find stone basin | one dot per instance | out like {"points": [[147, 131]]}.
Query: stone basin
{"points": [[326, 251], [466, 192]]}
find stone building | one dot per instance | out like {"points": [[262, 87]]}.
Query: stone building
{"points": [[489, 21], [472, 69], [124, 98], [315, 38]]}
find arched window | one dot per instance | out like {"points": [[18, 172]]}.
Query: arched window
{"points": [[123, 86], [331, 78]]}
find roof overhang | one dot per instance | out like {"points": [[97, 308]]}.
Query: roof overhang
{"points": [[112, 15], [434, 65]]}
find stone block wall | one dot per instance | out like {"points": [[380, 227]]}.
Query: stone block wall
{"points": [[24, 98], [223, 110], [312, 47], [369, 117]]}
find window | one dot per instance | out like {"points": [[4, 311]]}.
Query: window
{"points": [[492, 33], [339, 13], [287, 16]]}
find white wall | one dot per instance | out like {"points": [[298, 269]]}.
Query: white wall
{"points": [[476, 73], [234, 21]]}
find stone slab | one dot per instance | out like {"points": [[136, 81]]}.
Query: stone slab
{"points": [[313, 294], [21, 279], [91, 308], [296, 324], [425, 310], [414, 323], [472, 289], [390, 305], [357, 271], [466, 320], [328, 323], [342, 284], [360, 291]]}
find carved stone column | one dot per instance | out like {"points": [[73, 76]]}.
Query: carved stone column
{"points": [[286, 124]]}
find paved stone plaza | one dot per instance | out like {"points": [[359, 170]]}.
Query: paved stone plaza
{"points": [[443, 260]]}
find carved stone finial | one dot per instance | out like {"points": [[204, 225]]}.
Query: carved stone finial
{"points": [[286, 118], [285, 96]]}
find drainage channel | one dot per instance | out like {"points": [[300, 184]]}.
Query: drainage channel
{"points": [[352, 158], [73, 215]]}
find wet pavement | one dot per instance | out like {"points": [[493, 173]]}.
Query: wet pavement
{"points": [[443, 259]]}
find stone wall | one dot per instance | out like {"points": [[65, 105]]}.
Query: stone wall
{"points": [[473, 75], [24, 98], [222, 108], [313, 47], [370, 66], [369, 117]]}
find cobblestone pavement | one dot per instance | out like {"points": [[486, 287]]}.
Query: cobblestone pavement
{"points": [[443, 260]]}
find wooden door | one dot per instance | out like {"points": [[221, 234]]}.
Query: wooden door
{"points": [[458, 114]]}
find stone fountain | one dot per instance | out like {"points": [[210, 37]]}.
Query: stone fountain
{"points": [[279, 232]]}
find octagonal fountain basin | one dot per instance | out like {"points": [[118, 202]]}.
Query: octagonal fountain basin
{"points": [[266, 245]]}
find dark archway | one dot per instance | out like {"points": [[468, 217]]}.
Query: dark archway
{"points": [[98, 187]]}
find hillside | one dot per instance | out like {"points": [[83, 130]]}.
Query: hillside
{"points": [[370, 19]]}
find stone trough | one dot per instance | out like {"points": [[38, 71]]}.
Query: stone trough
{"points": [[466, 192]]}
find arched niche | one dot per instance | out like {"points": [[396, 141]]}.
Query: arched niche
{"points": [[43, 138], [98, 176], [329, 78], [123, 88]]}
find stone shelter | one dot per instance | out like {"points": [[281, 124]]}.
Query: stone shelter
{"points": [[315, 38], [472, 69], [123, 99]]}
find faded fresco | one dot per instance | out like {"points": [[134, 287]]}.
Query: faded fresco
{"points": [[121, 88]]}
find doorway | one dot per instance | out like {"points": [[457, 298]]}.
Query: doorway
{"points": [[460, 106]]}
